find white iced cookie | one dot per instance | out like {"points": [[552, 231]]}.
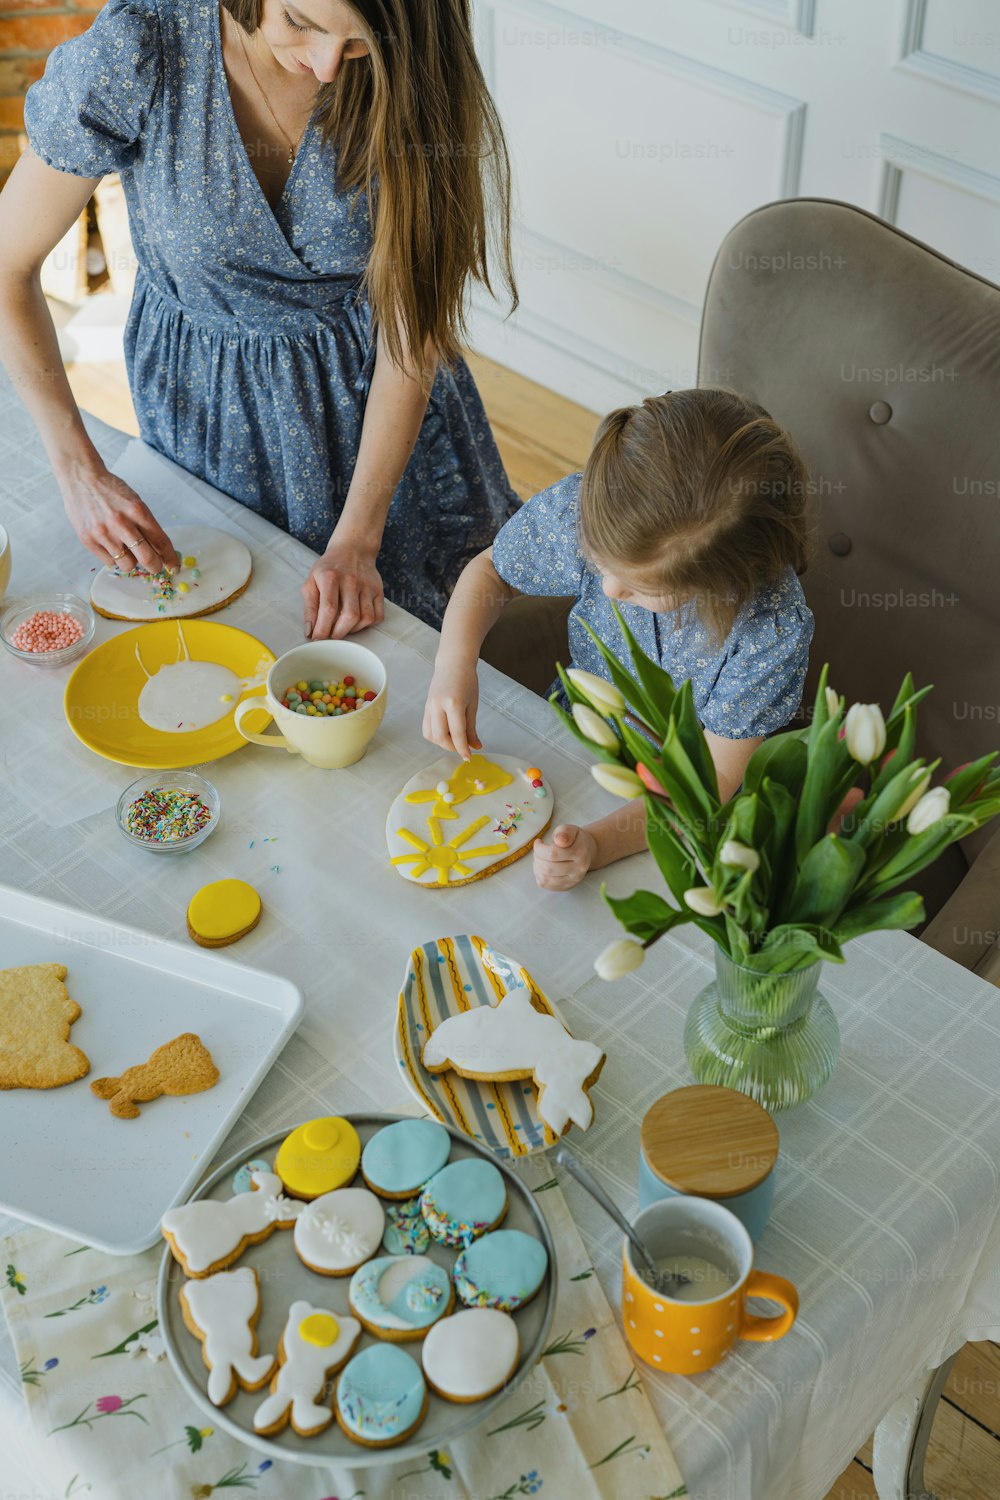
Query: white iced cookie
{"points": [[514, 1040], [460, 820], [314, 1345], [471, 1355], [339, 1231], [221, 1311], [210, 1233], [215, 569]]}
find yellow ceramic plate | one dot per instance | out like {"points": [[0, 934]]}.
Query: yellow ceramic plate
{"points": [[102, 695]]}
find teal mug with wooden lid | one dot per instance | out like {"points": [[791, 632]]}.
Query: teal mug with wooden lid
{"points": [[704, 1141]]}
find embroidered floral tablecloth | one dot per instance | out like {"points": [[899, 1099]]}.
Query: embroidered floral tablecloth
{"points": [[115, 1423]]}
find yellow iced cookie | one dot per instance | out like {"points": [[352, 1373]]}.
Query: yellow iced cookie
{"points": [[222, 913], [318, 1157]]}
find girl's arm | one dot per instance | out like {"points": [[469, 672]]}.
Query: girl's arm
{"points": [[476, 605], [562, 864], [37, 207], [343, 592]]}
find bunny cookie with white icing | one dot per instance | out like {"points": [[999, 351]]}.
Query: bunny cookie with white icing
{"points": [[208, 1234], [314, 1345], [221, 1311]]}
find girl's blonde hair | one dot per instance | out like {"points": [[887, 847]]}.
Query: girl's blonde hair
{"points": [[701, 489], [415, 128]]}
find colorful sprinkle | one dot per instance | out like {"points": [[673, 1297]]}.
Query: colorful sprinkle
{"points": [[166, 816]]}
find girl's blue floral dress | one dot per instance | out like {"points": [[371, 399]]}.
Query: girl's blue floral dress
{"points": [[249, 349]]}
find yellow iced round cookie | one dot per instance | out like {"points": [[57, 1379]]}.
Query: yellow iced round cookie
{"points": [[222, 912], [318, 1157]]}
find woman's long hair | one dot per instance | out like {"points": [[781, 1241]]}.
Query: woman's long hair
{"points": [[415, 128]]}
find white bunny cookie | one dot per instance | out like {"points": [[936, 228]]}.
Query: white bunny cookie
{"points": [[208, 1234], [314, 1345], [221, 1311]]}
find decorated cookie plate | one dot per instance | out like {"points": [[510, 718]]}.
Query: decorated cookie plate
{"points": [[285, 1280], [183, 671], [450, 977]]}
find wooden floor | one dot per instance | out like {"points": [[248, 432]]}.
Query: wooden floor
{"points": [[541, 437]]}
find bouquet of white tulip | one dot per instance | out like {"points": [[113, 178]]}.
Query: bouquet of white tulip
{"points": [[778, 877]]}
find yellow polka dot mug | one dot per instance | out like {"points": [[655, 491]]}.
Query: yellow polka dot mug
{"points": [[710, 1255]]}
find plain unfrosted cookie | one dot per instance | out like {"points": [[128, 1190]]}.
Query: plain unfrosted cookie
{"points": [[36, 1014], [472, 1355], [183, 1066], [222, 1311], [314, 1345]]}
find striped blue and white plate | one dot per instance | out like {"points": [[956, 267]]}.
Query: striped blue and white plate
{"points": [[443, 978]]}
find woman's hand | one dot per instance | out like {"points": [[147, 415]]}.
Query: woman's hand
{"points": [[113, 523], [561, 865], [343, 593], [450, 711]]}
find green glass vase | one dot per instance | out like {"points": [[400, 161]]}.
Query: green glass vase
{"points": [[772, 1036]]}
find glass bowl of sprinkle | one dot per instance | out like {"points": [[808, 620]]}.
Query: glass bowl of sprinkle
{"points": [[49, 631], [169, 812]]}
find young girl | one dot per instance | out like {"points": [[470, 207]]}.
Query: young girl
{"points": [[691, 513]]}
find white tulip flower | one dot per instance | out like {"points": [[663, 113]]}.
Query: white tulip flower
{"points": [[832, 702], [618, 780], [602, 693], [595, 728], [619, 958], [932, 807], [701, 898], [740, 855], [864, 731]]}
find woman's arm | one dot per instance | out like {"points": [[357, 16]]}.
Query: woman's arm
{"points": [[37, 207], [343, 592], [476, 604]]}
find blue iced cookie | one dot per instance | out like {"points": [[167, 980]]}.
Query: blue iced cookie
{"points": [[502, 1270], [398, 1297], [400, 1158], [241, 1177], [381, 1396], [463, 1201], [406, 1233]]}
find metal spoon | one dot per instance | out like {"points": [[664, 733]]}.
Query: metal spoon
{"points": [[660, 1281]]}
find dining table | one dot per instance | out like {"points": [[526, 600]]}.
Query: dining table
{"points": [[887, 1205]]}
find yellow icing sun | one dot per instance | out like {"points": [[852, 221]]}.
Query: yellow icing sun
{"points": [[476, 777], [447, 859]]}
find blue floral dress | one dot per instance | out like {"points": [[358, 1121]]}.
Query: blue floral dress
{"points": [[748, 685], [249, 349]]}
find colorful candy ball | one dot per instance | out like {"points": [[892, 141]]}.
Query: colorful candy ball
{"points": [[319, 699]]}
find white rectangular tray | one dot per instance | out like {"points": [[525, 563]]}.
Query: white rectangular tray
{"points": [[66, 1163]]}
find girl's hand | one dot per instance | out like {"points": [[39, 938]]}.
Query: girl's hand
{"points": [[113, 523], [450, 711], [342, 594], [561, 865]]}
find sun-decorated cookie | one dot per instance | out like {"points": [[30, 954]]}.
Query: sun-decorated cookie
{"points": [[406, 1231], [208, 1234], [400, 1158], [339, 1231], [314, 1345], [319, 1156], [464, 1200], [221, 1311], [472, 1355], [398, 1297], [503, 1270], [213, 570], [460, 820], [222, 913], [381, 1396]]}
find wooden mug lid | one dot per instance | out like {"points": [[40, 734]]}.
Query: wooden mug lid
{"points": [[709, 1141]]}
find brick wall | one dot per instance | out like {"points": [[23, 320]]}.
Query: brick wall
{"points": [[29, 29]]}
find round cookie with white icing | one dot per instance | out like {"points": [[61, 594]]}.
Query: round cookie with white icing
{"points": [[221, 1311], [503, 1270], [463, 1201], [460, 820], [339, 1231], [208, 1234], [406, 1231], [400, 1158], [314, 1345], [381, 1396], [398, 1297], [472, 1355], [214, 570]]}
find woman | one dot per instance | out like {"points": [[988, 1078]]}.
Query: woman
{"points": [[309, 189]]}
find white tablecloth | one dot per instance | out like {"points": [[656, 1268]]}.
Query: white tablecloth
{"points": [[888, 1204]]}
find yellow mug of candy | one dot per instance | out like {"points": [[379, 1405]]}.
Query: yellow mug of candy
{"points": [[4, 562], [691, 1325], [326, 733]]}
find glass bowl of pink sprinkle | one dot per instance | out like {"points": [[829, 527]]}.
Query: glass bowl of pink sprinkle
{"points": [[168, 812], [51, 630]]}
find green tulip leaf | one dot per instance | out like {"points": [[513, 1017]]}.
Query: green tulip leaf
{"points": [[644, 915], [783, 758], [827, 877], [655, 714], [966, 782], [657, 684], [692, 737], [904, 910]]}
